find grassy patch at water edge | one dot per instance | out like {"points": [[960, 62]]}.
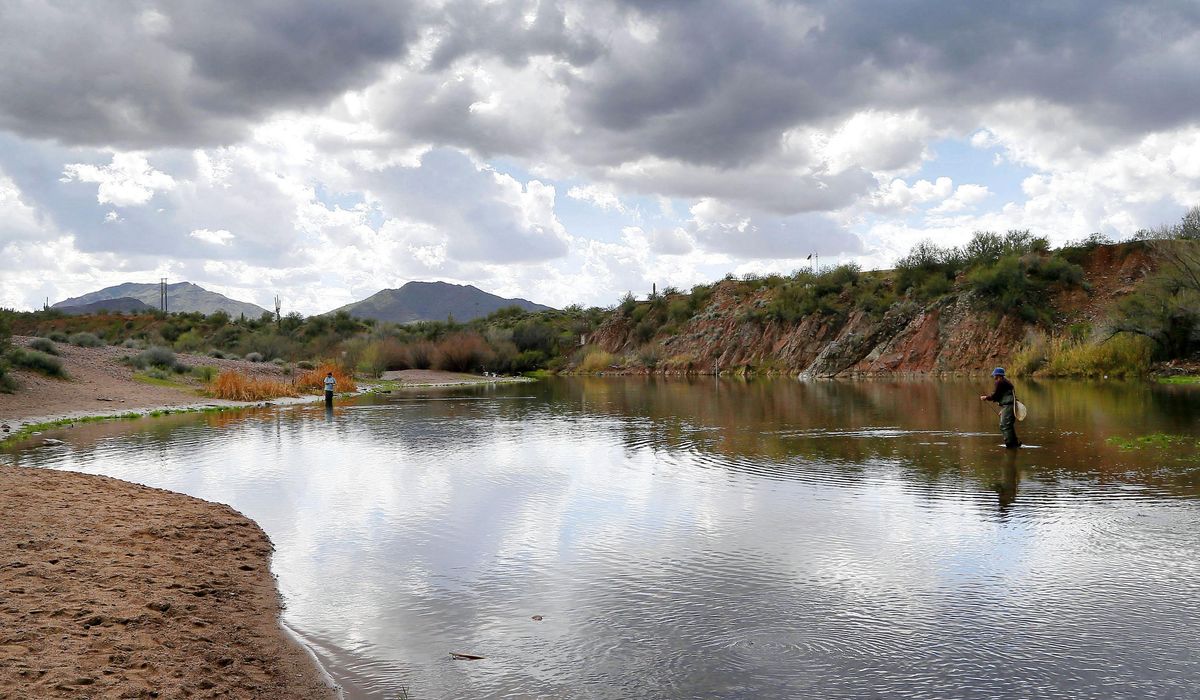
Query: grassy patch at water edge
{"points": [[1185, 379], [158, 378], [1156, 440]]}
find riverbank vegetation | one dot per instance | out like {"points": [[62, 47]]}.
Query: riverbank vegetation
{"points": [[236, 386]]}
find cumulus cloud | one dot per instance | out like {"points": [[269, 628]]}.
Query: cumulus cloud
{"points": [[218, 237], [128, 180]]}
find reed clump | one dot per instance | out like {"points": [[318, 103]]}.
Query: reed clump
{"points": [[1123, 355], [314, 380], [236, 386], [596, 360]]}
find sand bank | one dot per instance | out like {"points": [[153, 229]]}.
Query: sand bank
{"points": [[110, 589]]}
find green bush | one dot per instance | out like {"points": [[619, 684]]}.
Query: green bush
{"points": [[204, 373], [86, 340], [254, 357], [156, 356], [57, 336], [44, 345], [644, 330], [595, 360], [38, 362], [1023, 285]]}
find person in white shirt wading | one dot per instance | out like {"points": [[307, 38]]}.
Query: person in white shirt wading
{"points": [[330, 382]]}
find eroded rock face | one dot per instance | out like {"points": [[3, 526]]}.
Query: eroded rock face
{"points": [[951, 334]]}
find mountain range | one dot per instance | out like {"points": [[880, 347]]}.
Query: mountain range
{"points": [[181, 296], [415, 301], [433, 301]]}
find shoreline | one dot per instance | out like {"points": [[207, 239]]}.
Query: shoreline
{"points": [[123, 590]]}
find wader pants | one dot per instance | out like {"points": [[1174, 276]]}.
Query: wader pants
{"points": [[1008, 423], [329, 399]]}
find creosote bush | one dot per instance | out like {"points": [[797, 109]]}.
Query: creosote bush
{"points": [[86, 340], [44, 345], [156, 356], [37, 361]]}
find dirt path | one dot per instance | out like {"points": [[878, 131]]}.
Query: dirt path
{"points": [[115, 590]]}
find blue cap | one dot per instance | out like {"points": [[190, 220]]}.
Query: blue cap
{"points": [[998, 372]]}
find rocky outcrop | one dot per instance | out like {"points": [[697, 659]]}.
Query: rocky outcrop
{"points": [[951, 334]]}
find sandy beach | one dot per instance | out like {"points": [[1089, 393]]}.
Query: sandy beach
{"points": [[114, 590]]}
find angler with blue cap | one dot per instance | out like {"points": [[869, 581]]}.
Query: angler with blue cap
{"points": [[1006, 397]]}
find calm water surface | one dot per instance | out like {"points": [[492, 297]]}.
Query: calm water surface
{"points": [[713, 539]]}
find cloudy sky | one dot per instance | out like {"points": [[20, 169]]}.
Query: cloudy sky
{"points": [[567, 152]]}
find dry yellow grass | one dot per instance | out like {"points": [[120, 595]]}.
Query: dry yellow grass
{"points": [[314, 380], [236, 386]]}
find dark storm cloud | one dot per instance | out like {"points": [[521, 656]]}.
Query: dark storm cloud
{"points": [[131, 75], [721, 80], [503, 29]]}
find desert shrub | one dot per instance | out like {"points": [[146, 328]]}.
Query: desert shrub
{"points": [[86, 340], [38, 362], [236, 386], [216, 354], [1023, 285], [57, 336], [156, 356], [534, 335], [679, 310], [133, 344], [628, 304], [254, 357], [527, 361], [462, 352], [305, 364], [649, 356], [645, 330], [314, 380], [157, 373], [189, 341], [420, 355], [595, 360], [204, 373], [44, 345], [925, 261]]}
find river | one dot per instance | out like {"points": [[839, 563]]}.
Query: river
{"points": [[643, 538]]}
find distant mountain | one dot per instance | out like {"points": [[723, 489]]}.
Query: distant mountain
{"points": [[433, 301], [181, 296], [117, 305]]}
